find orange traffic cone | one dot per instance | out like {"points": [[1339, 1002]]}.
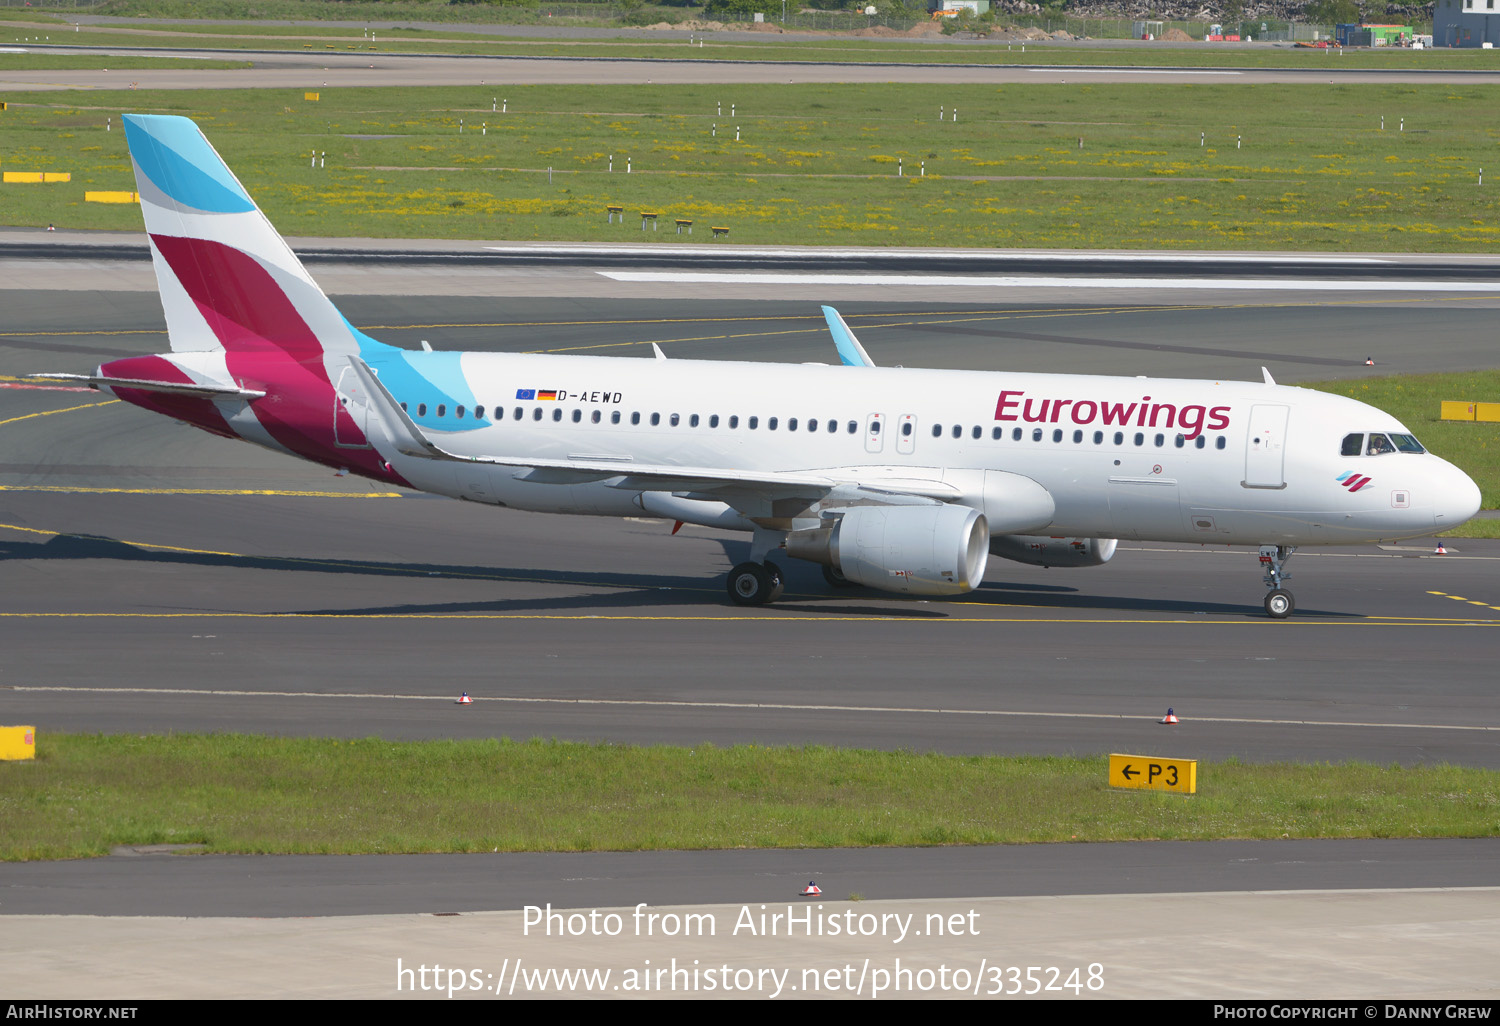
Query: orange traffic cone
{"points": [[1369, 361], [464, 699], [1440, 551], [1170, 717], [812, 890]]}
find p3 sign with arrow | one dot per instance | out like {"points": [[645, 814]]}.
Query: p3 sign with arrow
{"points": [[1146, 771]]}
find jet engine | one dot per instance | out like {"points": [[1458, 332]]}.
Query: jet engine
{"points": [[1041, 550], [918, 550]]}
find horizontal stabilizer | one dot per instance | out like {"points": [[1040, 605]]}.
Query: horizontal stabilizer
{"points": [[170, 387]]}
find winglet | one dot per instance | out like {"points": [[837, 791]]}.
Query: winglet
{"points": [[851, 353], [657, 350], [1266, 371]]}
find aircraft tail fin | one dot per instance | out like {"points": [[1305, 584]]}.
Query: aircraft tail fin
{"points": [[228, 281]]}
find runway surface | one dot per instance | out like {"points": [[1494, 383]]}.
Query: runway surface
{"points": [[281, 70]]}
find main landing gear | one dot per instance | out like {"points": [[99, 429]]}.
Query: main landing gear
{"points": [[755, 584], [1273, 558]]}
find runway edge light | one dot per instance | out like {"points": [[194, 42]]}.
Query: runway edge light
{"points": [[1149, 772], [17, 742]]}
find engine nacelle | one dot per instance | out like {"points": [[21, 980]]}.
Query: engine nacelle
{"points": [[1041, 550], [917, 550]]}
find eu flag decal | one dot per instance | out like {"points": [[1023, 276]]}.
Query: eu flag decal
{"points": [[525, 393]]}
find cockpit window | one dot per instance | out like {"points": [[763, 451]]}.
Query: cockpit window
{"points": [[1378, 445], [1407, 443], [1353, 444]]}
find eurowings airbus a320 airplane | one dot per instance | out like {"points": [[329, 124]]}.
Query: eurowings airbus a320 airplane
{"points": [[898, 479]]}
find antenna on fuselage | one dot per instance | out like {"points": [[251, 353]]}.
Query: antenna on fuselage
{"points": [[1267, 373]]}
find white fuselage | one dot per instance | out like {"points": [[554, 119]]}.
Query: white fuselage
{"points": [[1226, 462]]}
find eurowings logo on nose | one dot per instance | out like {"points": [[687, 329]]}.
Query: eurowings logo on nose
{"points": [[1352, 481]]}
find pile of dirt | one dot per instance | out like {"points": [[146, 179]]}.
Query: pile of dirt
{"points": [[882, 31], [1176, 35], [925, 28]]}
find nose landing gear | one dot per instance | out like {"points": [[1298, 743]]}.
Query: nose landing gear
{"points": [[1273, 558]]}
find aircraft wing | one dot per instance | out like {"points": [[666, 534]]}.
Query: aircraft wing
{"points": [[169, 387], [411, 440]]}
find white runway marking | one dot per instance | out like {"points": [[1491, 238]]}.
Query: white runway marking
{"points": [[1050, 282], [1132, 71], [773, 706]]}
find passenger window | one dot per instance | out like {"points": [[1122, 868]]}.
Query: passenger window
{"points": [[853, 427], [713, 420], [1016, 435], [906, 429], [1140, 438], [874, 427], [519, 413], [791, 423], [734, 421], [937, 430], [997, 434], [1219, 442], [458, 411], [479, 413], [833, 427], [442, 409], [1200, 441], [1057, 434], [655, 419], [812, 424], [614, 417], [577, 416], [675, 420], [693, 420], [1119, 438], [1098, 437], [403, 407], [557, 413], [1353, 444], [1378, 445], [421, 409], [1180, 441], [771, 424], [958, 432], [594, 417], [978, 431], [752, 423], [1161, 440], [536, 413], [1077, 437], [1036, 435], [635, 418]]}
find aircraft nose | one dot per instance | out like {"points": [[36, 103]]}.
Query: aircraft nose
{"points": [[1457, 498]]}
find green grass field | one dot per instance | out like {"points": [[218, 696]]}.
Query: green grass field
{"points": [[1281, 166], [237, 793]]}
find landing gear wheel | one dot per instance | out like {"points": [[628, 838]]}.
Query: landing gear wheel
{"points": [[836, 578], [1279, 604], [752, 584], [780, 585]]}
